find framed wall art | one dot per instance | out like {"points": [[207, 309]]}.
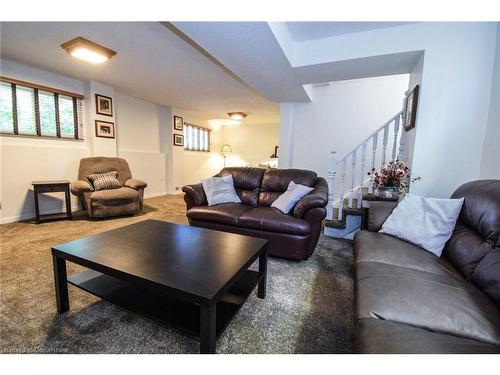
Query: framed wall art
{"points": [[104, 129], [178, 140], [103, 105], [410, 109], [178, 123]]}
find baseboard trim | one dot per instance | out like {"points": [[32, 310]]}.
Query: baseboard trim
{"points": [[31, 215]]}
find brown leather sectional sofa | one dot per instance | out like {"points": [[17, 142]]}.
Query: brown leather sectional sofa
{"points": [[292, 236], [407, 300]]}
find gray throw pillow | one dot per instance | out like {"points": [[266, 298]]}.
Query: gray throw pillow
{"points": [[104, 181], [290, 197], [220, 190]]}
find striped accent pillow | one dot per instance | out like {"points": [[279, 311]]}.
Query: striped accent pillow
{"points": [[104, 181]]}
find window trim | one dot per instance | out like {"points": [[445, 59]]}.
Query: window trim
{"points": [[36, 88], [40, 87], [208, 130]]}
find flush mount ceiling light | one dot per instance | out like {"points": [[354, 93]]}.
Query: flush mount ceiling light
{"points": [[87, 50], [237, 115]]}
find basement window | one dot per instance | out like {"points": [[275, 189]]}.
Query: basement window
{"points": [[196, 138], [34, 110]]}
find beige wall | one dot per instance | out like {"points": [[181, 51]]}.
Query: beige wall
{"points": [[251, 144]]}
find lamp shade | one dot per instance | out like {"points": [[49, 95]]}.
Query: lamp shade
{"points": [[226, 149]]}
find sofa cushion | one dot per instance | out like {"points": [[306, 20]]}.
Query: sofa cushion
{"points": [[290, 197], [382, 248], [220, 190], [487, 275], [276, 181], [474, 245], [436, 302], [114, 196], [381, 336], [246, 182], [226, 213], [426, 222], [271, 219], [104, 181], [478, 227]]}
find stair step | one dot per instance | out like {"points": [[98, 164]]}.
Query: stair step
{"points": [[339, 224], [348, 211]]}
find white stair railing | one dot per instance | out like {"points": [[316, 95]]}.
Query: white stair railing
{"points": [[356, 171]]}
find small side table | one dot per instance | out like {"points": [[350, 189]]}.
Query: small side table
{"points": [[52, 187], [364, 210]]}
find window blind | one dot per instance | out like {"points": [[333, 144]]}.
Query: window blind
{"points": [[31, 109], [196, 138]]}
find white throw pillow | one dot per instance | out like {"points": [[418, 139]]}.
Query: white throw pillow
{"points": [[220, 190], [425, 222], [290, 197]]}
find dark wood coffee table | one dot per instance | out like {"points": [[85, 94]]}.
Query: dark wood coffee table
{"points": [[196, 279]]}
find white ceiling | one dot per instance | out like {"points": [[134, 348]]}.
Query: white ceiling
{"points": [[302, 31], [152, 63], [251, 50]]}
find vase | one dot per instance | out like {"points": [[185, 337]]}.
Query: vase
{"points": [[387, 192]]}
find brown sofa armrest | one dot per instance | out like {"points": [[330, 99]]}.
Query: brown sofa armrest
{"points": [[135, 183], [79, 187], [195, 195], [378, 213], [316, 198]]}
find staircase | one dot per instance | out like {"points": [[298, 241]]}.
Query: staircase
{"points": [[352, 191]]}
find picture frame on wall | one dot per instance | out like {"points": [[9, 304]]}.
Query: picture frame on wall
{"points": [[178, 140], [104, 129], [178, 123], [410, 109], [103, 105]]}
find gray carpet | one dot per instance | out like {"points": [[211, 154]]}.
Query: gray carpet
{"points": [[308, 308]]}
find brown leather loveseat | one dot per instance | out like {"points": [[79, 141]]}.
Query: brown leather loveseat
{"points": [[291, 236], [408, 300]]}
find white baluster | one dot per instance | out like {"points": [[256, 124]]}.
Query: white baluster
{"points": [[362, 174], [401, 145], [342, 188], [331, 179], [384, 142], [353, 175], [374, 153], [395, 141]]}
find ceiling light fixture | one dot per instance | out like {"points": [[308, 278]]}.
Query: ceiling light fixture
{"points": [[237, 115], [87, 50]]}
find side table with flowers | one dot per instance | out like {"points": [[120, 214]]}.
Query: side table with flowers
{"points": [[390, 183]]}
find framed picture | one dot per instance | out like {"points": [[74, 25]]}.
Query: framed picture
{"points": [[178, 140], [103, 105], [178, 123], [410, 110], [104, 129]]}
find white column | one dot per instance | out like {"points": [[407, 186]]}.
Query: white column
{"points": [[374, 153], [395, 141], [331, 181], [342, 188]]}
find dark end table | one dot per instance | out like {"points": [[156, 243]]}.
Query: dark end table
{"points": [[52, 187]]}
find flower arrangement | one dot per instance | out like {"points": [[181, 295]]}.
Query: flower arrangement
{"points": [[396, 174]]}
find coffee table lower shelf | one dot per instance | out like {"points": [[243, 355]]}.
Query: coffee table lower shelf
{"points": [[155, 304]]}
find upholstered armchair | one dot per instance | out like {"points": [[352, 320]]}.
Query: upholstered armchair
{"points": [[128, 199]]}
